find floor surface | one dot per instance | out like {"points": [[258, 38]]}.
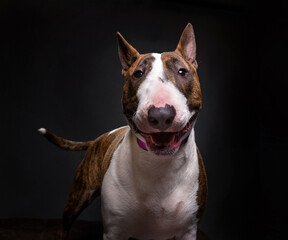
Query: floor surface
{"points": [[45, 229]]}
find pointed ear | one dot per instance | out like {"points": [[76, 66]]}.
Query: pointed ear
{"points": [[127, 53], [187, 45]]}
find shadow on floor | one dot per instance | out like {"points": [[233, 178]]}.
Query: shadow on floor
{"points": [[45, 229]]}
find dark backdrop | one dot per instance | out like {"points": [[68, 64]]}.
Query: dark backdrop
{"points": [[60, 70]]}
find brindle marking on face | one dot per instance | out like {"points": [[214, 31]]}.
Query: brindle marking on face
{"points": [[129, 98], [188, 84], [172, 61]]}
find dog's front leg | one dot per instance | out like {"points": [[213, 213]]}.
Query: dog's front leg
{"points": [[116, 235], [191, 234]]}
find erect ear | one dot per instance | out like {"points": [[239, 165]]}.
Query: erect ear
{"points": [[187, 45], [127, 53]]}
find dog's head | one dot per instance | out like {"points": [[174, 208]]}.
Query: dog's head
{"points": [[161, 95]]}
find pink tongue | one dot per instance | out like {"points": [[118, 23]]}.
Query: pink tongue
{"points": [[162, 139]]}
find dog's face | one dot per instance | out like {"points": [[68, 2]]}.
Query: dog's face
{"points": [[161, 95]]}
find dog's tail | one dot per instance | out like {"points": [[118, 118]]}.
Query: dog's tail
{"points": [[64, 143]]}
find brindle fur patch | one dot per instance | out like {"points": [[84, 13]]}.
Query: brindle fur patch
{"points": [[189, 84], [202, 192], [129, 98]]}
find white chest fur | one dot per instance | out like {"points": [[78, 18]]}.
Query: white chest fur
{"points": [[147, 197]]}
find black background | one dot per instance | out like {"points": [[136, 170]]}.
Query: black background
{"points": [[60, 70]]}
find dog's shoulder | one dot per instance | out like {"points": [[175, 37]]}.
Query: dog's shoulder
{"points": [[108, 142], [101, 150]]}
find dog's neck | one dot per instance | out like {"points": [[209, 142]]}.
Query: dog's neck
{"points": [[152, 170]]}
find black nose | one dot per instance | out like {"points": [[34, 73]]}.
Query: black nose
{"points": [[161, 118]]}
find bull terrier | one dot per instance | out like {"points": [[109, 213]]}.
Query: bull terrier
{"points": [[150, 174]]}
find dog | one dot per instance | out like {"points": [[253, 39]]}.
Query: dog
{"points": [[150, 173]]}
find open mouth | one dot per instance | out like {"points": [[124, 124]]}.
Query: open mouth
{"points": [[166, 143]]}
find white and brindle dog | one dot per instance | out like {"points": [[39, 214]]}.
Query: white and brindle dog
{"points": [[150, 174]]}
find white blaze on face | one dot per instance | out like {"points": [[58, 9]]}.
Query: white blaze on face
{"points": [[156, 90]]}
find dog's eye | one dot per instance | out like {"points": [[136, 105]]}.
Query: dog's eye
{"points": [[138, 74], [182, 72]]}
